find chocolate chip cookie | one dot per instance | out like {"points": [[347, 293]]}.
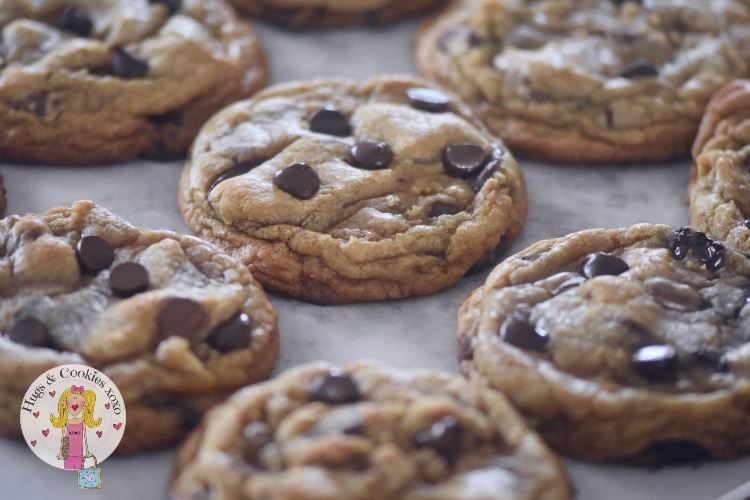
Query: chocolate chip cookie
{"points": [[109, 80], [366, 431], [335, 191], [175, 323], [719, 187], [588, 80], [306, 14], [620, 344]]}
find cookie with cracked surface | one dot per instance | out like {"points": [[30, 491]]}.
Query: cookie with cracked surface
{"points": [[317, 14], [719, 186], [594, 81], [173, 321], [366, 431], [111, 80], [335, 191], [626, 345]]}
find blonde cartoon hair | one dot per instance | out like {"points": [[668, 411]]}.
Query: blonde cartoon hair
{"points": [[89, 397]]}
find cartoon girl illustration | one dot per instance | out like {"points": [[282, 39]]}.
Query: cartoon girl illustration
{"points": [[75, 412]]}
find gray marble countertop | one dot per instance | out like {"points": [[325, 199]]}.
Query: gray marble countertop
{"points": [[415, 332]]}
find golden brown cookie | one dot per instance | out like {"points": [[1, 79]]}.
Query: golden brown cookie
{"points": [[175, 323], [369, 432], [109, 80], [719, 187], [589, 80], [336, 191], [619, 344]]}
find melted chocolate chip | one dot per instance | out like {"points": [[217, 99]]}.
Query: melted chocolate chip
{"points": [[75, 19], [334, 387], [655, 363], [371, 155], [640, 68], [330, 121], [439, 208], [444, 436], [712, 255], [599, 264], [181, 317], [298, 179], [518, 331], [492, 166], [232, 334], [242, 167], [127, 279], [127, 65], [94, 254], [171, 5], [681, 244], [463, 159], [428, 99], [30, 332]]}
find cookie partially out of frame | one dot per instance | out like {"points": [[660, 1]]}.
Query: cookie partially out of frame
{"points": [[592, 80], [719, 187], [369, 432], [619, 344], [174, 322], [335, 191], [110, 80], [307, 14]]}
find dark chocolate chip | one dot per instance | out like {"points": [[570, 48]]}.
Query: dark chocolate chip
{"points": [[492, 166], [444, 436], [188, 416], [599, 264], [463, 159], [439, 208], [710, 358], [428, 99], [713, 256], [299, 179], [232, 334], [674, 452], [94, 254], [75, 19], [640, 68], [127, 279], [656, 363], [681, 244], [334, 387], [242, 167], [30, 332], [126, 64], [171, 5], [330, 121], [746, 223], [181, 317], [371, 155], [518, 331]]}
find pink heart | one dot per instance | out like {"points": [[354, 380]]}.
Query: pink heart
{"points": [[33, 443], [36, 414], [99, 433], [87, 476], [45, 432], [52, 394], [106, 405], [75, 407], [117, 426]]}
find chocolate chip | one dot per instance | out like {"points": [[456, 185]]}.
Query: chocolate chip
{"points": [[94, 253], [712, 255], [171, 5], [518, 331], [188, 417], [126, 64], [127, 279], [334, 387], [444, 436], [674, 452], [428, 99], [746, 223], [35, 103], [655, 363], [232, 334], [30, 332], [710, 358], [298, 179], [489, 169], [599, 264], [330, 121], [181, 317], [241, 168], [439, 208], [681, 244], [463, 159], [75, 19], [640, 68], [371, 155]]}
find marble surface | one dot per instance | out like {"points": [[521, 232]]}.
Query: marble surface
{"points": [[416, 332]]}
